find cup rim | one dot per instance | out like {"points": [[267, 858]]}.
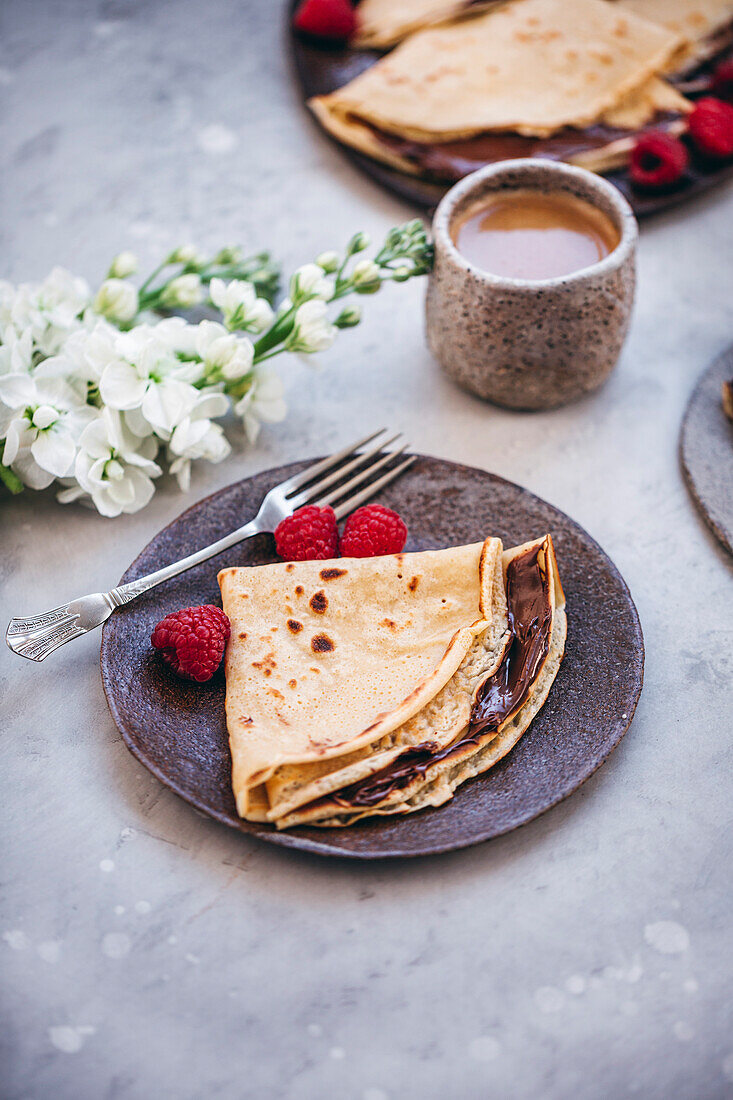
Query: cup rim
{"points": [[628, 226]]}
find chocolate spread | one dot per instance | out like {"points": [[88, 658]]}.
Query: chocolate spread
{"points": [[452, 160], [530, 626]]}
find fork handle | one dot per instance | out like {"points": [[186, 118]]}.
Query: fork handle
{"points": [[36, 636], [124, 593]]}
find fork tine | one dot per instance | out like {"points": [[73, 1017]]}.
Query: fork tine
{"points": [[363, 475], [312, 491], [349, 505], [325, 464]]}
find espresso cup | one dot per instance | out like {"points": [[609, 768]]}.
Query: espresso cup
{"points": [[530, 343]]}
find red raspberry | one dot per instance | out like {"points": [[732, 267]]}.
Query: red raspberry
{"points": [[326, 19], [722, 82], [711, 127], [657, 159], [372, 531], [309, 533], [192, 641]]}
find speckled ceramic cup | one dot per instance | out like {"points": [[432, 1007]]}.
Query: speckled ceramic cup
{"points": [[530, 343]]}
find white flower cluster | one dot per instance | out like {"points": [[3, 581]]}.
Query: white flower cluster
{"points": [[100, 395], [96, 408]]}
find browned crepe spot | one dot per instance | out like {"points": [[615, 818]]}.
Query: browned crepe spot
{"points": [[332, 574], [318, 602], [321, 643], [294, 626]]}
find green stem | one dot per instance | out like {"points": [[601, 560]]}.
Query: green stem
{"points": [[150, 278]]}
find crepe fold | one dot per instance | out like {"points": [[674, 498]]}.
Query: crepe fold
{"points": [[382, 23], [699, 22], [388, 720]]}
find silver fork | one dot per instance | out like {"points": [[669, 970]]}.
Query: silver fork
{"points": [[38, 635]]}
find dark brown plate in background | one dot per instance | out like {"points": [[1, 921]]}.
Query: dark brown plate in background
{"points": [[321, 68], [706, 450], [177, 729]]}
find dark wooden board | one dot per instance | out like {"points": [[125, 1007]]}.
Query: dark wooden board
{"points": [[177, 728]]}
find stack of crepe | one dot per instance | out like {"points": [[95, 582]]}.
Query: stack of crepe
{"points": [[365, 686], [571, 79]]}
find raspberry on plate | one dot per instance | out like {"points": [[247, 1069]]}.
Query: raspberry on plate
{"points": [[657, 160], [192, 641], [333, 19], [722, 82], [711, 127], [310, 533], [372, 531]]}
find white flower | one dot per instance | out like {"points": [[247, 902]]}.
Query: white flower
{"points": [[309, 281], [144, 375], [113, 467], [196, 437], [263, 401], [312, 330], [240, 306], [40, 420], [16, 352], [123, 265], [116, 300], [49, 310], [222, 352], [183, 292]]}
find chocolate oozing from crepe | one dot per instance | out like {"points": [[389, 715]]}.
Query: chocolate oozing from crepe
{"points": [[500, 696], [453, 160]]}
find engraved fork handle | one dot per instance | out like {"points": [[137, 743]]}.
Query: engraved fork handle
{"points": [[36, 636]]}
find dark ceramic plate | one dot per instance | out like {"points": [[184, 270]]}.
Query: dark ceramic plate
{"points": [[177, 729], [321, 68], [706, 450]]}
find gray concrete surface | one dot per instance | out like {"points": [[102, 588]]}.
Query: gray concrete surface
{"points": [[148, 952]]}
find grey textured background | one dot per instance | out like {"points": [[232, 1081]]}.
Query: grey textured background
{"points": [[187, 962]]}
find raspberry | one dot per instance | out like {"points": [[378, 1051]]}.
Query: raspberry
{"points": [[192, 641], [711, 127], [309, 533], [333, 19], [722, 82], [372, 531], [657, 159]]}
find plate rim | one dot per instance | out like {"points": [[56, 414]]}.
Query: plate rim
{"points": [[725, 356], [295, 841]]}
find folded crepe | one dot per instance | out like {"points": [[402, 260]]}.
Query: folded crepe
{"points": [[576, 73], [382, 23], [702, 23], [338, 672]]}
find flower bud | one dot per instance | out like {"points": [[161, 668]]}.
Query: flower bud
{"points": [[328, 261], [366, 276], [231, 255], [44, 417], [116, 300], [358, 243], [401, 274], [124, 264], [185, 254], [348, 317], [183, 292], [309, 281]]}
